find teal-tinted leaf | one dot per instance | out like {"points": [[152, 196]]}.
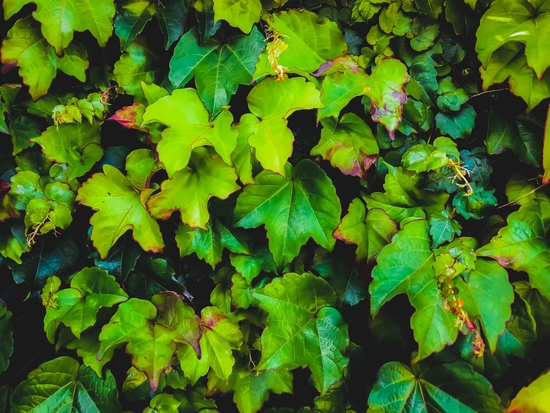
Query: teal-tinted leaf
{"points": [[370, 231], [122, 258], [303, 328], [171, 18], [538, 304], [403, 197], [6, 343], [458, 125], [476, 205], [478, 165], [131, 18], [450, 97], [63, 385], [423, 84], [234, 61], [307, 206], [443, 227]]}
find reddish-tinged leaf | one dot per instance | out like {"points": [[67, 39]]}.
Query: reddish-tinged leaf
{"points": [[7, 210], [131, 117], [338, 63]]}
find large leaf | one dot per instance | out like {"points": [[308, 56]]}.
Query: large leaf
{"points": [[522, 245], [190, 189], [76, 144], [303, 328], [293, 209], [370, 231], [25, 47], [188, 128], [171, 18], [273, 102], [238, 13], [218, 68], [61, 20], [405, 266], [532, 398], [119, 208], [63, 385], [348, 144], [77, 307], [131, 18], [450, 387], [6, 343], [516, 21], [310, 42]]}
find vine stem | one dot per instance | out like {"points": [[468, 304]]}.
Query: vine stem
{"points": [[523, 196], [489, 91]]}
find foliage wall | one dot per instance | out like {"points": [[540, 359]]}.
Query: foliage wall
{"points": [[305, 206]]}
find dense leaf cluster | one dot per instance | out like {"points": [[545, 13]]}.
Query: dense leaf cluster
{"points": [[313, 206]]}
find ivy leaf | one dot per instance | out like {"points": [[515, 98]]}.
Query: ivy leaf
{"points": [[477, 163], [6, 344], [273, 102], [478, 204], [60, 21], [122, 258], [520, 134], [119, 208], [310, 42], [189, 128], [405, 266], [131, 18], [423, 158], [423, 83], [489, 294], [403, 197], [25, 47], [171, 18], [303, 328], [7, 209], [252, 388], [241, 14], [515, 21], [63, 385], [338, 89], [450, 97], [250, 266], [443, 228], [77, 307], [190, 189], [150, 344], [76, 144], [458, 125], [522, 246], [220, 336], [397, 387], [208, 244], [22, 130], [138, 64], [370, 231], [234, 61], [307, 206], [87, 347], [163, 403], [533, 397], [348, 144]]}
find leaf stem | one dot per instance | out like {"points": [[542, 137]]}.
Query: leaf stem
{"points": [[523, 196], [489, 91]]}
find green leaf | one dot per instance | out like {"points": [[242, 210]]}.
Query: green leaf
{"points": [[516, 21], [188, 128], [370, 231], [405, 266], [521, 134], [338, 89], [307, 206], [77, 307], [25, 47], [22, 130], [252, 388], [522, 245], [131, 18], [7, 209], [87, 347], [250, 266], [423, 158], [348, 144], [450, 97], [60, 21], [119, 208], [392, 20], [303, 328], [76, 144], [122, 258], [478, 165], [171, 18], [310, 42], [403, 197], [63, 385], [238, 13], [6, 332], [538, 305], [488, 294], [443, 228], [234, 61], [163, 403], [138, 64], [458, 125], [476, 205], [273, 102], [533, 397], [190, 189], [546, 149], [443, 387], [423, 83]]}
